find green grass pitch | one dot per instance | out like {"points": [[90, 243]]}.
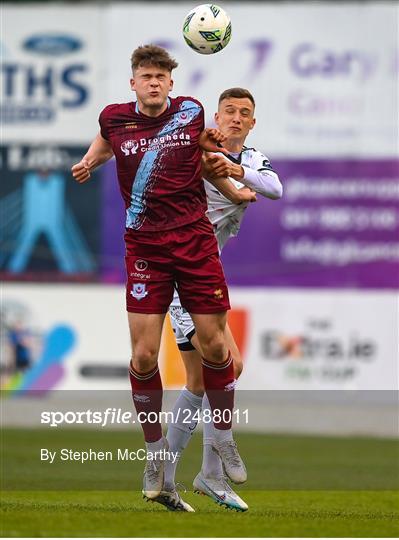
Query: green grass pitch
{"points": [[298, 486]]}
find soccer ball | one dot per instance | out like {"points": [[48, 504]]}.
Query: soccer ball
{"points": [[207, 29]]}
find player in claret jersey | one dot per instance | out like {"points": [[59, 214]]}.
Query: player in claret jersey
{"points": [[157, 142]]}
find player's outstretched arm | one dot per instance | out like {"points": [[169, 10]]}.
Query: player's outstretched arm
{"points": [[236, 196], [98, 153], [260, 177], [266, 183], [216, 170]]}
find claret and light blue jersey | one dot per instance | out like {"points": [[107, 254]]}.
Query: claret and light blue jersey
{"points": [[158, 163]]}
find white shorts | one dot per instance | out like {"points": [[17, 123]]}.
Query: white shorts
{"points": [[182, 324]]}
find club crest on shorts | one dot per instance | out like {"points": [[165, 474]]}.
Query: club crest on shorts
{"points": [[218, 293], [138, 291]]}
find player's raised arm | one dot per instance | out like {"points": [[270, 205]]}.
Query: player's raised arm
{"points": [[98, 153], [216, 169], [260, 177]]}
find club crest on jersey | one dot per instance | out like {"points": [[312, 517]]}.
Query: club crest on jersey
{"points": [[129, 147], [184, 117], [139, 291]]}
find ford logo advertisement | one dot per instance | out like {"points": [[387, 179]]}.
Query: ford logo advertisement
{"points": [[52, 45]]}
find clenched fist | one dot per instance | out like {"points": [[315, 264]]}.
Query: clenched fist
{"points": [[81, 171]]}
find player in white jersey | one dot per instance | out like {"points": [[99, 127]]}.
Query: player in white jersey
{"points": [[231, 177]]}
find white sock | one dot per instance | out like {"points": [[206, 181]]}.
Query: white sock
{"points": [[211, 462], [155, 446], [179, 433], [223, 435]]}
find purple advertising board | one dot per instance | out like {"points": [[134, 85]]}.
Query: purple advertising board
{"points": [[337, 226]]}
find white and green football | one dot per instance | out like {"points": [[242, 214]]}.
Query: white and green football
{"points": [[207, 29]]}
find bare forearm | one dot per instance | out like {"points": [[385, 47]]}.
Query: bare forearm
{"points": [[232, 193], [227, 189], [98, 153], [237, 171]]}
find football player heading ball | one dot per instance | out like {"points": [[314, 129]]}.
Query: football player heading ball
{"points": [[166, 227]]}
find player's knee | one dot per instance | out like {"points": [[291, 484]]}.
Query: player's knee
{"points": [[144, 359], [215, 349]]}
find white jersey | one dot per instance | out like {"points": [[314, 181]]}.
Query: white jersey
{"points": [[226, 216]]}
